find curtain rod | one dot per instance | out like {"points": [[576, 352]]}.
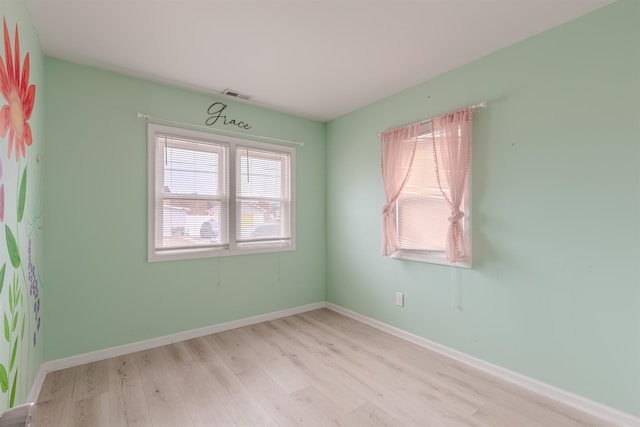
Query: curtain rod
{"points": [[424, 122], [216, 130]]}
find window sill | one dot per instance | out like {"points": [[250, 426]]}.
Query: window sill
{"points": [[431, 257], [213, 253]]}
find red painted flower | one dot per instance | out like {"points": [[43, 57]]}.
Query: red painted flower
{"points": [[20, 97]]}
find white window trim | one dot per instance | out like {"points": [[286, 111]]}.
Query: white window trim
{"points": [[209, 252]]}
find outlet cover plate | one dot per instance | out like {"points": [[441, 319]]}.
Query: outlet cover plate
{"points": [[399, 299]]}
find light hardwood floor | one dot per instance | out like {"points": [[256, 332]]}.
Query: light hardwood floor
{"points": [[316, 369]]}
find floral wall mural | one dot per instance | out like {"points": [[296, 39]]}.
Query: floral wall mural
{"points": [[21, 202]]}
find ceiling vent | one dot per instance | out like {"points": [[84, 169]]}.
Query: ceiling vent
{"points": [[235, 94]]}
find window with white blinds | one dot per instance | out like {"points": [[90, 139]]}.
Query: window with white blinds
{"points": [[422, 211], [263, 197], [211, 195]]}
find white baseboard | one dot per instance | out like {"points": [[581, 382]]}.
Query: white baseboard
{"points": [[583, 404], [37, 384], [578, 402], [94, 356]]}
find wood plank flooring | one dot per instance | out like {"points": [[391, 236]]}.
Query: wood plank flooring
{"points": [[314, 369]]}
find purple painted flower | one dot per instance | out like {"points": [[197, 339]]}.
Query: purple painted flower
{"points": [[34, 292]]}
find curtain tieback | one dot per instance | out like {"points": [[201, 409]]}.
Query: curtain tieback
{"points": [[456, 216], [388, 208]]}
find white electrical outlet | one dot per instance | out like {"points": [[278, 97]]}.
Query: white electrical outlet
{"points": [[399, 299]]}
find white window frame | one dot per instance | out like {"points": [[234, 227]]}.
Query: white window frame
{"points": [[233, 247], [439, 256]]}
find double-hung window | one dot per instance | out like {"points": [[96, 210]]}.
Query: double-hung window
{"points": [[212, 195], [263, 189], [425, 172], [422, 211]]}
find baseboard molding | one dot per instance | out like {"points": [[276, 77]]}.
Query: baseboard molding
{"points": [[578, 402], [95, 356], [583, 404], [37, 384]]}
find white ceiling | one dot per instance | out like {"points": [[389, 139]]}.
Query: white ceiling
{"points": [[314, 58]]}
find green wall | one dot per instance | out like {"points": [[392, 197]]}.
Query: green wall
{"points": [[21, 209], [102, 290], [554, 292]]}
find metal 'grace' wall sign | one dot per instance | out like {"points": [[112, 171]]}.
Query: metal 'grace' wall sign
{"points": [[216, 111]]}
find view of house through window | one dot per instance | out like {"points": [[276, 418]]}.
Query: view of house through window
{"points": [[212, 195], [262, 196]]}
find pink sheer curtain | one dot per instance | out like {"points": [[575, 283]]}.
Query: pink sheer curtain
{"points": [[452, 152], [398, 151]]}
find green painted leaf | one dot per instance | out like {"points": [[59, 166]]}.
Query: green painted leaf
{"points": [[7, 330], [23, 321], [11, 299], [12, 247], [4, 379], [14, 324], [13, 390], [16, 297], [22, 195], [13, 355], [2, 271]]}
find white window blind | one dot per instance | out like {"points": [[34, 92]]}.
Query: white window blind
{"points": [[263, 197], [422, 211], [192, 201]]}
